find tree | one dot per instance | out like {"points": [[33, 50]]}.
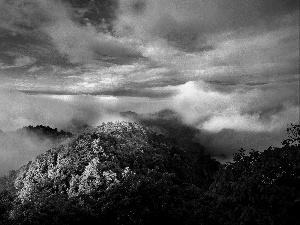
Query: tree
{"points": [[118, 173], [6, 204], [293, 139], [259, 188]]}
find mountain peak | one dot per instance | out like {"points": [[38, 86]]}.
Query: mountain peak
{"points": [[110, 150]]}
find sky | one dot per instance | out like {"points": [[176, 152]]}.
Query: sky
{"points": [[229, 68]]}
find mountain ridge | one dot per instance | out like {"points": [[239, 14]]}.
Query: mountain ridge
{"points": [[124, 173]]}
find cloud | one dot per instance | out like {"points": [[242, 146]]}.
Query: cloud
{"points": [[172, 20], [256, 110], [261, 53], [182, 40], [24, 61], [225, 143], [229, 68], [79, 43], [221, 144], [84, 44], [237, 57], [188, 24], [253, 123], [20, 110], [67, 111], [16, 149], [227, 120], [19, 61]]}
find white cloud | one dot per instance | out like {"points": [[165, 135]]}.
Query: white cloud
{"points": [[239, 110], [20, 110], [253, 123], [67, 111]]}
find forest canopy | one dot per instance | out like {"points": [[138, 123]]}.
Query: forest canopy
{"points": [[123, 173]]}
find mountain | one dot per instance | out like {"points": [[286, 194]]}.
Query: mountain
{"points": [[20, 146], [45, 132], [124, 173], [170, 124], [123, 145], [41, 132], [118, 171], [28, 138]]}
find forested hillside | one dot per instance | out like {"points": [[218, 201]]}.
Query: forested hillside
{"points": [[23, 145], [123, 173], [167, 122], [45, 132]]}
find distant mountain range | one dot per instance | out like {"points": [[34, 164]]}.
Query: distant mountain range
{"points": [[39, 132], [45, 131], [168, 123]]}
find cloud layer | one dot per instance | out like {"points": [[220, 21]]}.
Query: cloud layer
{"points": [[53, 20], [229, 68], [17, 149], [188, 24], [258, 109]]}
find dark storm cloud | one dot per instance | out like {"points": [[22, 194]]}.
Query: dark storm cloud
{"points": [[188, 24], [35, 45], [243, 13], [51, 22]]}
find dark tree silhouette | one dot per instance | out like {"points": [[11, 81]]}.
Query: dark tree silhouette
{"points": [[260, 188]]}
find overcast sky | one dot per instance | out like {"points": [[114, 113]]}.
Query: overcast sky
{"points": [[221, 64]]}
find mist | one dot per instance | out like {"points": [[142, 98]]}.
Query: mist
{"points": [[65, 113], [228, 70], [221, 121], [17, 149], [258, 109], [221, 145]]}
